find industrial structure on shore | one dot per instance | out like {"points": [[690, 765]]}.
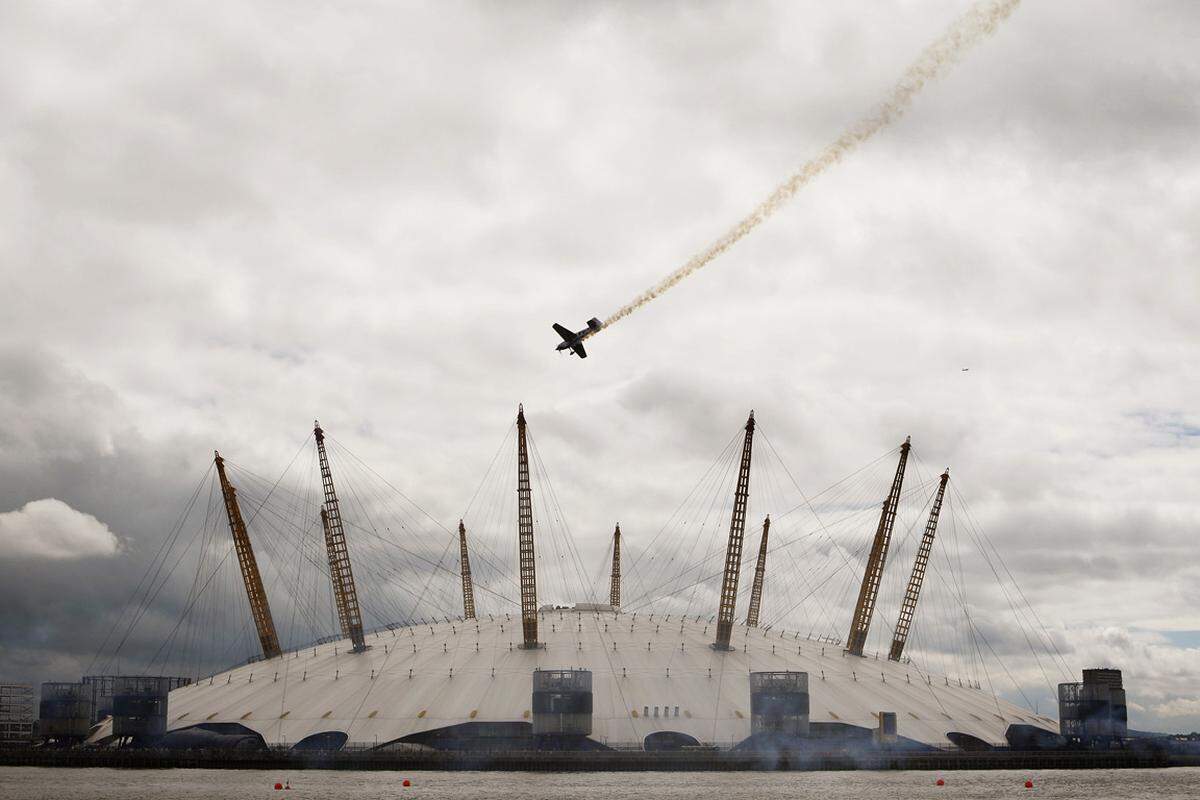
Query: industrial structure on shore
{"points": [[578, 676], [16, 715]]}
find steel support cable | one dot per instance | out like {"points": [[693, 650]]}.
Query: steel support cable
{"points": [[1012, 605], [663, 558], [569, 540], [481, 518], [205, 537], [411, 557], [708, 505], [717, 505], [353, 499], [153, 591], [981, 636], [254, 513], [150, 574], [972, 648], [898, 580], [466, 513], [443, 583], [487, 521], [654, 539], [671, 576], [825, 607], [187, 609], [596, 581], [685, 515], [493, 510], [959, 576], [796, 483], [841, 551], [714, 554], [498, 505], [713, 544], [367, 567], [718, 478], [370, 571], [1017, 586], [381, 572], [835, 546], [450, 535], [273, 523]]}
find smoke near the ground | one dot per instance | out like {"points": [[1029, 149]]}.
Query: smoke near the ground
{"points": [[974, 26]]}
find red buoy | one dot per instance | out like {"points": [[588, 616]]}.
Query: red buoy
{"points": [[1028, 784], [407, 782], [279, 786], [941, 782]]}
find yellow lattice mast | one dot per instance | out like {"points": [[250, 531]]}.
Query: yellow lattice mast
{"points": [[260, 609], [465, 567], [760, 572], [340, 574], [529, 618], [864, 609], [733, 551], [614, 588], [908, 608]]}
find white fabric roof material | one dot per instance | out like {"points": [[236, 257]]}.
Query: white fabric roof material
{"points": [[424, 677]]}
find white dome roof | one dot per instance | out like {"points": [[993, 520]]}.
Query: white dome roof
{"points": [[424, 677]]}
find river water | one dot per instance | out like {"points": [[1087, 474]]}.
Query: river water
{"points": [[34, 783]]}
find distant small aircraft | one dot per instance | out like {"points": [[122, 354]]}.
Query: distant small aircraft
{"points": [[573, 341], [966, 369]]}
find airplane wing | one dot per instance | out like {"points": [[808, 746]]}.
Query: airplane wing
{"points": [[567, 335], [579, 351]]}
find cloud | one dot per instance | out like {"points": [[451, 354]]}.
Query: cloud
{"points": [[1179, 707], [50, 528]]}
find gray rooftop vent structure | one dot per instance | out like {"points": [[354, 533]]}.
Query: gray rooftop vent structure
{"points": [[779, 703], [1095, 710], [104, 687], [139, 707], [562, 702], [65, 711]]}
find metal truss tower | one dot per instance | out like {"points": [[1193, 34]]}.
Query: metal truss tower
{"points": [[344, 592], [465, 567], [864, 609], [260, 609], [733, 552], [614, 588], [760, 572], [909, 608], [529, 618]]}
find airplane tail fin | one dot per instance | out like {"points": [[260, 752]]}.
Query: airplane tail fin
{"points": [[595, 324]]}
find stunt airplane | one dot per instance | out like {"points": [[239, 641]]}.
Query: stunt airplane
{"points": [[574, 341]]}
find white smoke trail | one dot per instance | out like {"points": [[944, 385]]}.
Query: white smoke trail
{"points": [[977, 24]]}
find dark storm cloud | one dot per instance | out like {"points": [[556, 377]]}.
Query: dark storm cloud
{"points": [[223, 221]]}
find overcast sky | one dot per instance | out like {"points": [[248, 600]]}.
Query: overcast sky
{"points": [[218, 222]]}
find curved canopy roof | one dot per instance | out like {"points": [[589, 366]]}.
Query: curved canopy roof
{"points": [[650, 673]]}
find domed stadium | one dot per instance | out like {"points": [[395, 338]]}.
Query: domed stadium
{"points": [[684, 644]]}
